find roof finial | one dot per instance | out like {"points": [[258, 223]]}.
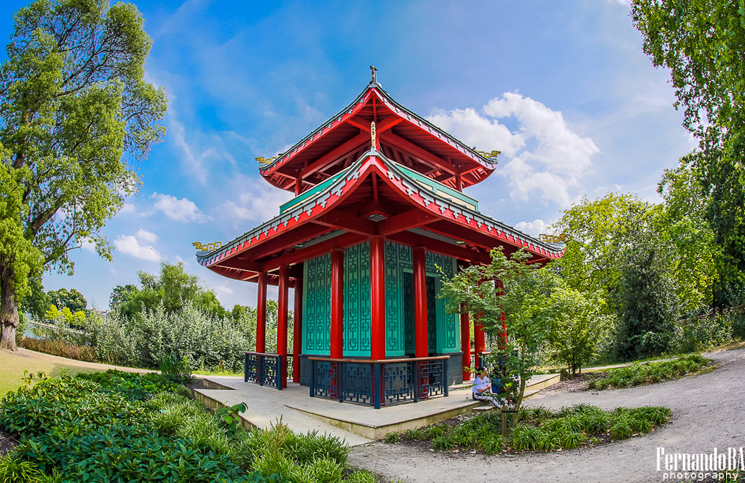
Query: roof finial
{"points": [[374, 75]]}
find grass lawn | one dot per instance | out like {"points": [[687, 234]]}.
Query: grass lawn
{"points": [[12, 365]]}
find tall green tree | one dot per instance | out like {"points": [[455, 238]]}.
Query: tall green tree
{"points": [[524, 296], [702, 42], [71, 299], [75, 112], [172, 288]]}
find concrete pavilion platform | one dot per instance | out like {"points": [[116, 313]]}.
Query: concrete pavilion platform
{"points": [[355, 423]]}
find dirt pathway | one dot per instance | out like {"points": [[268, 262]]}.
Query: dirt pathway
{"points": [[708, 412]]}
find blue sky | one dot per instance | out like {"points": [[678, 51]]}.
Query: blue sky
{"points": [[563, 89]]}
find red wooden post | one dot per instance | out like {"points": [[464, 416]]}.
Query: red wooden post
{"points": [[297, 339], [261, 314], [298, 185], [479, 342], [420, 303], [337, 304], [377, 298], [465, 344], [282, 321]]}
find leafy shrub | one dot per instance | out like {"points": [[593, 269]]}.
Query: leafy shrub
{"points": [[392, 437], [361, 477], [525, 438], [649, 373], [60, 348], [109, 427], [13, 469], [491, 443], [176, 370], [571, 439], [621, 428]]}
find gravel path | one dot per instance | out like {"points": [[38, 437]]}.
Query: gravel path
{"points": [[708, 412]]}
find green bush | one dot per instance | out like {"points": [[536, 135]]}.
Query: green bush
{"points": [[392, 437], [649, 372], [110, 427], [525, 437]]}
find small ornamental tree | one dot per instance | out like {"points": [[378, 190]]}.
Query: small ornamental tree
{"points": [[580, 329], [525, 300], [75, 112]]}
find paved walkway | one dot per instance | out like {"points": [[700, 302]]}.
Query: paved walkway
{"points": [[356, 423], [708, 412], [303, 413]]}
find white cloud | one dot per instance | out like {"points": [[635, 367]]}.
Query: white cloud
{"points": [[130, 245], [223, 289], [127, 208], [146, 236], [87, 245], [178, 209], [534, 228], [543, 156], [259, 202]]}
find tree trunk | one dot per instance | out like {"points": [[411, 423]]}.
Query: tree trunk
{"points": [[8, 311]]}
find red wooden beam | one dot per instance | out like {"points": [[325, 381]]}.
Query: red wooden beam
{"points": [[282, 321], [377, 297], [405, 221], [380, 127], [465, 344], [334, 154], [337, 304], [344, 221], [240, 264], [417, 151], [261, 314], [297, 256], [284, 242], [420, 303], [441, 247]]}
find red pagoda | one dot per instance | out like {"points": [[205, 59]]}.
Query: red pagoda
{"points": [[379, 210]]}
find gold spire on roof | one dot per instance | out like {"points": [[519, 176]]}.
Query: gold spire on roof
{"points": [[374, 75]]}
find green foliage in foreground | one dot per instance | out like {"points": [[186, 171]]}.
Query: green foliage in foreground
{"points": [[650, 372], [123, 427], [539, 429]]}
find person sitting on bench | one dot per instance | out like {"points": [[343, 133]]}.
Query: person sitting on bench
{"points": [[481, 386]]}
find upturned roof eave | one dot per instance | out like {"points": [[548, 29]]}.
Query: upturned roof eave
{"points": [[486, 163], [473, 219]]}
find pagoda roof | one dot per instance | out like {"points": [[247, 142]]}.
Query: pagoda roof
{"points": [[403, 136], [375, 196]]}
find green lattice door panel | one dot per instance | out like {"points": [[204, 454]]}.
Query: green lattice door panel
{"points": [[357, 300], [399, 313], [432, 325], [317, 305], [409, 316]]}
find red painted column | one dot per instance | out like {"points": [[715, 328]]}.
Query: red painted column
{"points": [[282, 320], [465, 344], [479, 340], [377, 298], [420, 304], [297, 339], [337, 304], [261, 314]]}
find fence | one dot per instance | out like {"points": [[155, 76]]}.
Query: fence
{"points": [[377, 382]]}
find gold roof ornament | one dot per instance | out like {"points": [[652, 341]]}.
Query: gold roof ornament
{"points": [[265, 162], [374, 73], [490, 155], [563, 238], [208, 247]]}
